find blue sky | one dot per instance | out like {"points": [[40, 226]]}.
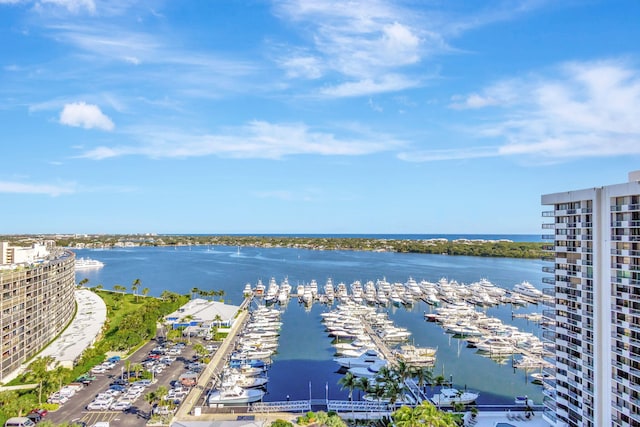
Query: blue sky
{"points": [[311, 116]]}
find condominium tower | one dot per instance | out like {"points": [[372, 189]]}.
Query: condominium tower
{"points": [[36, 301], [594, 320]]}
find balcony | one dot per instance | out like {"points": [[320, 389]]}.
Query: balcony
{"points": [[550, 226], [548, 214], [546, 269], [549, 280], [551, 237]]}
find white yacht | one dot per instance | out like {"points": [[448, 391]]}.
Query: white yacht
{"points": [[365, 359], [370, 371], [234, 395], [496, 345], [88, 264], [449, 396], [527, 289]]}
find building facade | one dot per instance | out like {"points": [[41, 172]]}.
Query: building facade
{"points": [[36, 301], [594, 319]]}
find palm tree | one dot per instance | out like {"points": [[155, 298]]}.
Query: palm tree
{"points": [[138, 368], [221, 295], [99, 287], [83, 282], [145, 291], [134, 288], [349, 382], [424, 376], [200, 350], [363, 384], [194, 291], [218, 320], [37, 371]]}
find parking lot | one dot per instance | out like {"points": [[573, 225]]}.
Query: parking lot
{"points": [[112, 398]]}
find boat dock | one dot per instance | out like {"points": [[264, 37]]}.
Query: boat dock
{"points": [[215, 366]]}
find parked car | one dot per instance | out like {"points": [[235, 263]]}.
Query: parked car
{"points": [[86, 378], [120, 405]]}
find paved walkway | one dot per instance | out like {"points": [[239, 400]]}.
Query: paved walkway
{"points": [[83, 330]]}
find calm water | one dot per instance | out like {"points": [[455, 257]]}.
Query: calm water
{"points": [[304, 361]]}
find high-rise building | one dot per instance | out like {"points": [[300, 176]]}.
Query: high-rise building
{"points": [[36, 301], [593, 324]]}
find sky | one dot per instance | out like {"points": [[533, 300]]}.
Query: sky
{"points": [[311, 116]]}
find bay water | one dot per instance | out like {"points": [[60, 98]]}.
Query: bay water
{"points": [[303, 366]]}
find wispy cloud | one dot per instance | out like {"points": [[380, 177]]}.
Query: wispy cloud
{"points": [[88, 116], [73, 6], [28, 188], [578, 109], [364, 41], [257, 139]]}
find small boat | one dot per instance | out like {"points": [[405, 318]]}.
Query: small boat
{"points": [[449, 396], [88, 264], [234, 395]]}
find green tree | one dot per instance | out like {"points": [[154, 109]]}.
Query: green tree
{"points": [[349, 381], [194, 291], [423, 415], [424, 376], [134, 288], [145, 291], [83, 282], [363, 384], [200, 350], [37, 372]]}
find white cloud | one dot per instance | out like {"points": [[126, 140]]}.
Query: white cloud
{"points": [[368, 42], [257, 139], [73, 6], [578, 109], [449, 154], [25, 188], [88, 116], [387, 83]]}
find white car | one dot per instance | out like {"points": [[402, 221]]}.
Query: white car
{"points": [[98, 370], [98, 406], [120, 405]]}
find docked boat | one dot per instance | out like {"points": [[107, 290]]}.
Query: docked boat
{"points": [[367, 358], [370, 371], [234, 377], [450, 396], [88, 264], [496, 345], [528, 290], [235, 395]]}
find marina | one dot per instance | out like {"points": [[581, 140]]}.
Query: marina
{"points": [[303, 366]]}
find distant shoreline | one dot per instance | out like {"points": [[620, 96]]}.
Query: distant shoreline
{"points": [[470, 245]]}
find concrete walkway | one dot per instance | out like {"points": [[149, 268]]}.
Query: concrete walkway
{"points": [[82, 331]]}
